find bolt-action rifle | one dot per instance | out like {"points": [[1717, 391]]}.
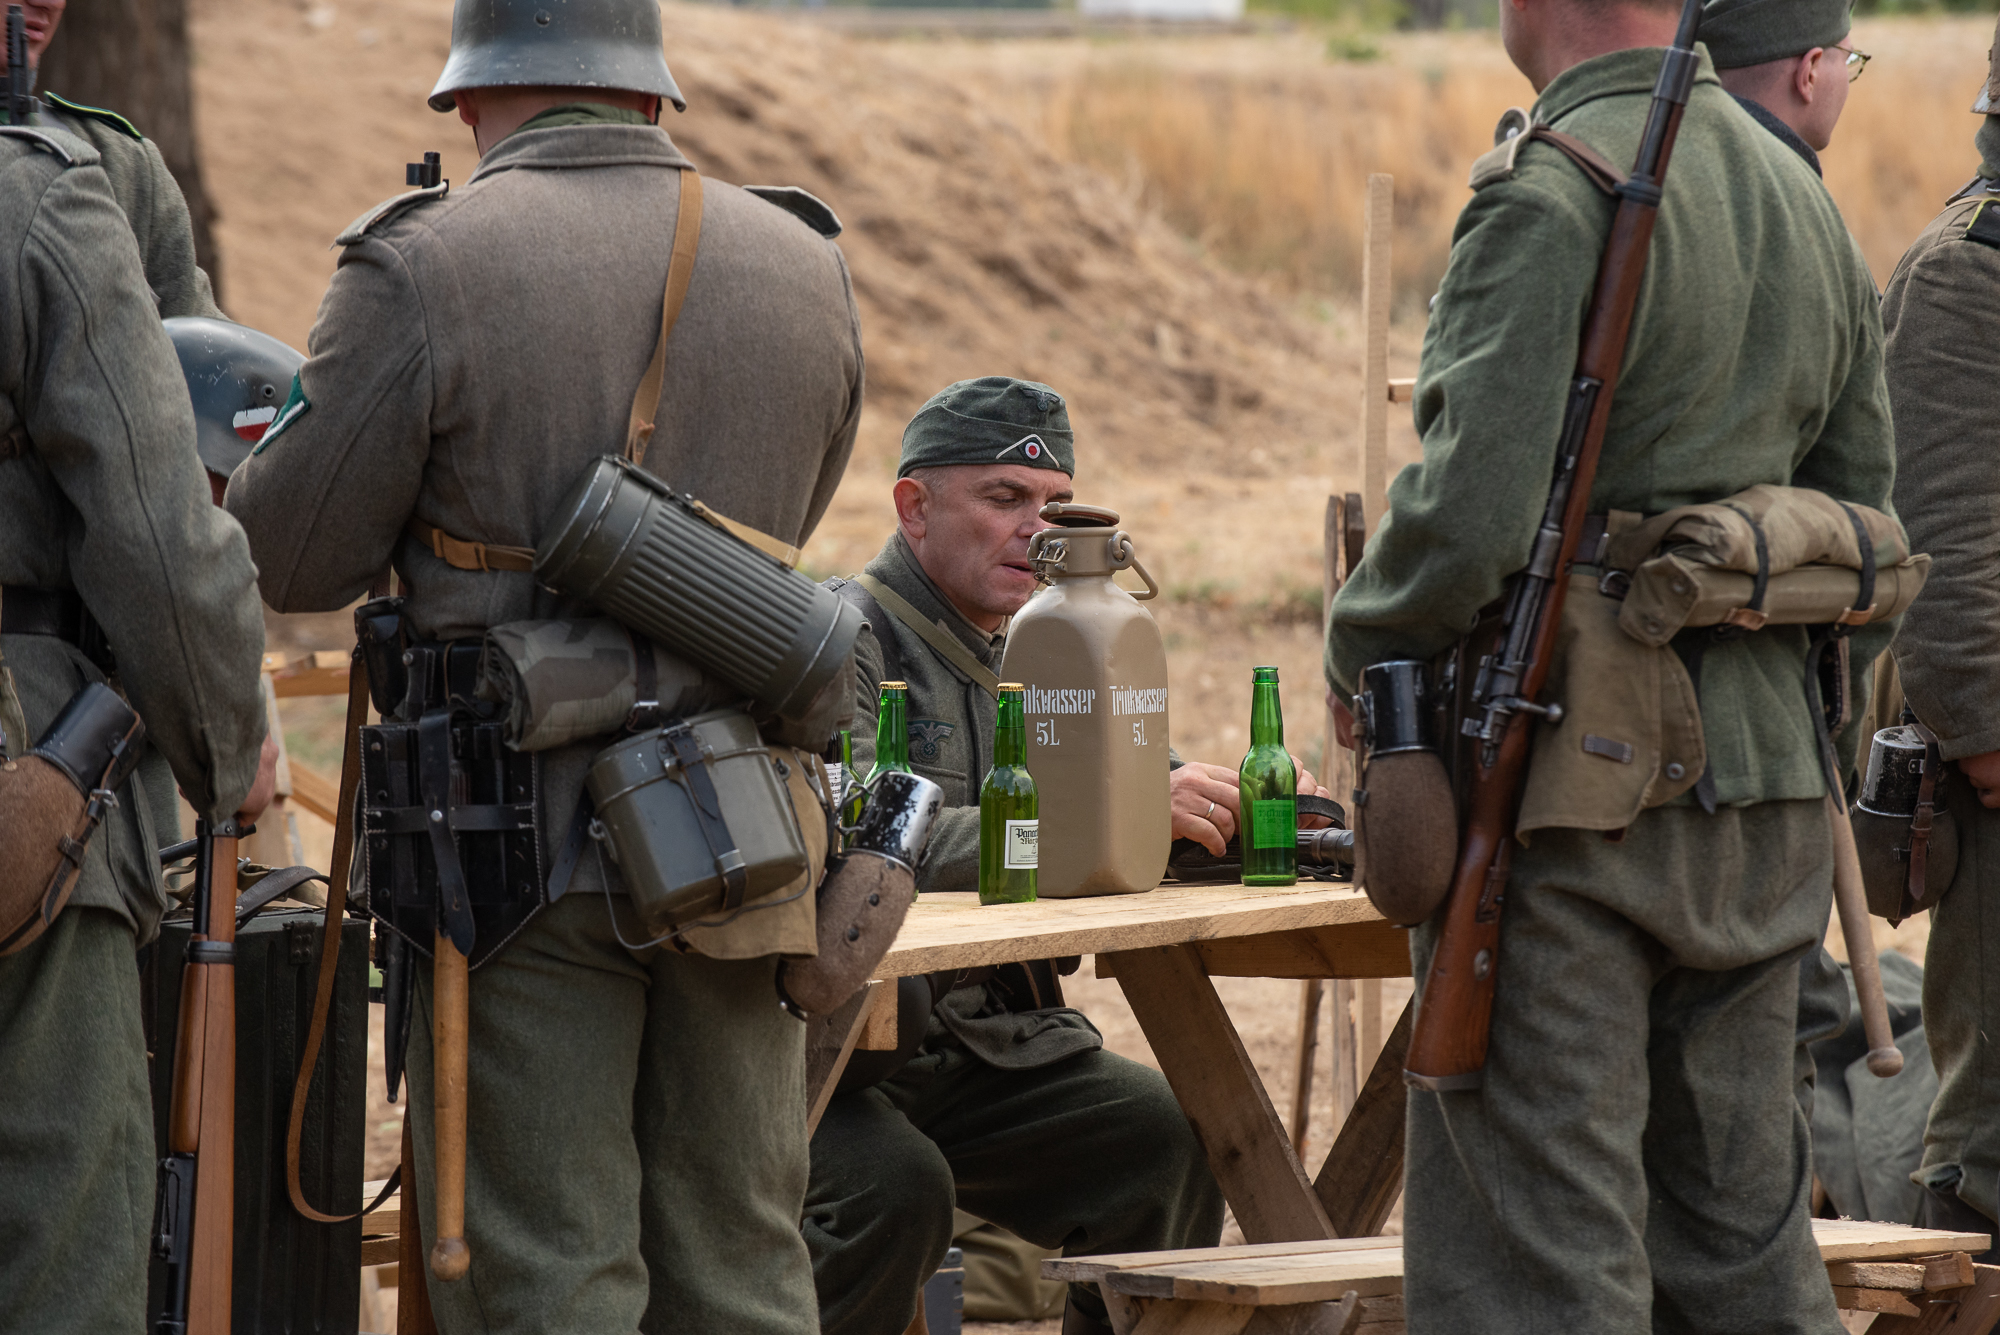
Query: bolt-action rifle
{"points": [[194, 1225], [1448, 1046], [20, 78]]}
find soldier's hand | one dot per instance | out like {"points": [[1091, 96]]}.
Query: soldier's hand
{"points": [[1984, 773], [1205, 802], [266, 787]]}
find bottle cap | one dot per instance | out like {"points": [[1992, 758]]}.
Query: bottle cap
{"points": [[1012, 686], [895, 686]]}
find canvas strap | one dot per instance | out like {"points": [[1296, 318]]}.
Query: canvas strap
{"points": [[680, 270], [948, 646]]}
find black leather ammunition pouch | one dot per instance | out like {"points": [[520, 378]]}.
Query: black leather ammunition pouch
{"points": [[446, 827], [1904, 832]]}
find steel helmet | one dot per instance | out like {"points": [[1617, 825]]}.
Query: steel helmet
{"points": [[556, 43], [237, 379], [1988, 101]]}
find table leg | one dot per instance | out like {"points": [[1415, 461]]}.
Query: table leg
{"points": [[830, 1041], [1363, 1173], [1212, 1075], [1166, 1316], [1976, 1312]]}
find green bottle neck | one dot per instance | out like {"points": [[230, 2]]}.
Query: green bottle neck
{"points": [[1267, 716], [1010, 731], [892, 732]]}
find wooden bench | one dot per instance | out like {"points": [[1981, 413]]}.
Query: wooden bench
{"points": [[1923, 1281]]}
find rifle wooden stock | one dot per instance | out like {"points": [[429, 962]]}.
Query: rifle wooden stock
{"points": [[1454, 1019]]}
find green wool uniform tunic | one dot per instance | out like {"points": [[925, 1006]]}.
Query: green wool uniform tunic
{"points": [[102, 494], [1942, 311], [1665, 964], [1018, 1117]]}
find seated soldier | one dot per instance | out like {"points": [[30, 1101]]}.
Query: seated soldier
{"points": [[1010, 1107]]}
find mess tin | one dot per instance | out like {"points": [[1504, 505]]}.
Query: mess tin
{"points": [[698, 818]]}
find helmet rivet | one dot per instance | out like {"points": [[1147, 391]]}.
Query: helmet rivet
{"points": [[541, 18]]}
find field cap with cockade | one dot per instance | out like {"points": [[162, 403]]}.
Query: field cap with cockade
{"points": [[995, 419], [1750, 32]]}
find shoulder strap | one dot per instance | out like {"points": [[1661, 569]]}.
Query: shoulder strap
{"points": [[947, 646], [680, 269], [1603, 173], [877, 618]]}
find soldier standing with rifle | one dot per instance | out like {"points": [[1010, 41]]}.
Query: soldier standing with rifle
{"points": [[1659, 956], [109, 545], [634, 1149], [1942, 311]]}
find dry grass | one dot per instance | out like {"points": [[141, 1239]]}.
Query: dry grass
{"points": [[1260, 146]]}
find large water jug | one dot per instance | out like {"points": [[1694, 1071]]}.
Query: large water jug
{"points": [[1095, 670]]}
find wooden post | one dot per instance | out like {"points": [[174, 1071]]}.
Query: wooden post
{"points": [[1375, 296], [1302, 1088], [1346, 1078], [1371, 1022]]}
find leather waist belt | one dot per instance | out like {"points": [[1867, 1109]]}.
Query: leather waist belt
{"points": [[55, 612]]}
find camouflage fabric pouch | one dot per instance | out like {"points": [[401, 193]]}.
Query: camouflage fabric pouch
{"points": [[565, 680]]}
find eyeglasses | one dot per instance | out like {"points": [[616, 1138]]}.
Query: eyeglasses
{"points": [[1856, 61]]}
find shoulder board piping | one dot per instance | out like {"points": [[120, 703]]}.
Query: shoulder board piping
{"points": [[109, 117], [1984, 224], [389, 210], [804, 205]]}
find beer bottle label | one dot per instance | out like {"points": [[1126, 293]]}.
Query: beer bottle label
{"points": [[1273, 822], [1022, 845]]}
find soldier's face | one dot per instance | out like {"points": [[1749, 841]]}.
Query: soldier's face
{"points": [[970, 524], [40, 17]]}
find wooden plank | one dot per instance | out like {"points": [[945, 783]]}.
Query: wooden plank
{"points": [[322, 672], [1340, 1318], [1378, 1254], [1123, 1311], [1342, 1055], [878, 1029], [1212, 1075], [1863, 1240], [1376, 295], [1370, 991], [1402, 390], [1090, 1269], [1874, 1300], [380, 1251], [830, 1041], [1288, 1280], [1302, 1069], [1377, 949], [316, 792], [1973, 1311], [955, 931], [1192, 1319], [1926, 1274], [1362, 1175]]}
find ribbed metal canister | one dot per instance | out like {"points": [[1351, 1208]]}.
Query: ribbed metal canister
{"points": [[624, 541]]}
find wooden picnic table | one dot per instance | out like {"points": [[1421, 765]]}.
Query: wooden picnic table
{"points": [[1920, 1281], [1163, 947]]}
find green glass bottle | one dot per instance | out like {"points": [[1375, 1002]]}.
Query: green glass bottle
{"points": [[892, 730], [1268, 785], [1009, 826]]}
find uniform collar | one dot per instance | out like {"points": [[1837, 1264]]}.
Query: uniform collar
{"points": [[1784, 133], [1614, 74], [898, 567], [567, 146]]}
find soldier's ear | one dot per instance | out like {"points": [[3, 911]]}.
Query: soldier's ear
{"points": [[913, 505]]}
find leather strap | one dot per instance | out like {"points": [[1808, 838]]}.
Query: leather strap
{"points": [[462, 555], [329, 948], [1920, 824], [782, 552], [680, 270], [689, 759], [1603, 173], [949, 646]]}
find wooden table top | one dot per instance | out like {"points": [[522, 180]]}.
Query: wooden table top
{"points": [[955, 931], [1320, 1271]]}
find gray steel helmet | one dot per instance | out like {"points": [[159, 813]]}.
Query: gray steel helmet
{"points": [[556, 43], [237, 379], [1988, 101]]}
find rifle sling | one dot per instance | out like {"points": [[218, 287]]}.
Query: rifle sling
{"points": [[948, 646], [329, 950]]}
